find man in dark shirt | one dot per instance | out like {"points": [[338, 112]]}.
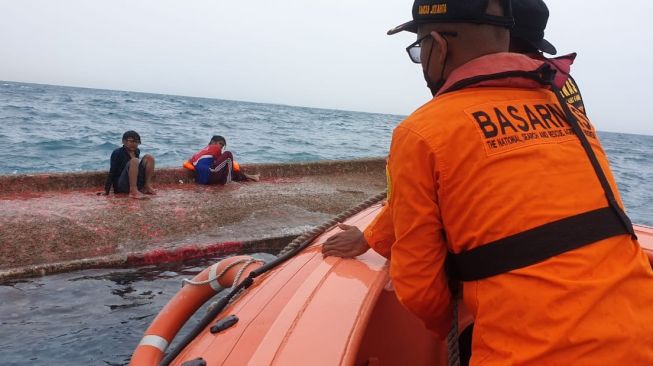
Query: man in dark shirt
{"points": [[127, 174]]}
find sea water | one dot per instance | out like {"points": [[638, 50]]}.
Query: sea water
{"points": [[96, 317], [91, 317], [62, 129]]}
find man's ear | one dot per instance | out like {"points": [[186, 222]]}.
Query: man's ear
{"points": [[441, 45]]}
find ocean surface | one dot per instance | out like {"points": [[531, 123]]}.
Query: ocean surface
{"points": [[96, 317], [45, 128], [91, 317]]}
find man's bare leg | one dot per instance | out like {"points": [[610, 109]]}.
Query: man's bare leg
{"points": [[148, 162], [133, 178], [253, 177]]}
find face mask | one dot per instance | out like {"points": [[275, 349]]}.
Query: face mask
{"points": [[435, 86]]}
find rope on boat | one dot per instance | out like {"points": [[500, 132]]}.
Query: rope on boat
{"points": [[242, 269], [453, 350], [216, 278], [322, 228], [219, 275]]}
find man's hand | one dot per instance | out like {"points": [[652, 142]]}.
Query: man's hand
{"points": [[346, 244]]}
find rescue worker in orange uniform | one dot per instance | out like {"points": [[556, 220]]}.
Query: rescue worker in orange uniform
{"points": [[526, 37], [505, 181]]}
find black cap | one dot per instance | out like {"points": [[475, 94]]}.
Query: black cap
{"points": [[454, 11], [530, 21]]}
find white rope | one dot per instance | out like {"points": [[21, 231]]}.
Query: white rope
{"points": [[453, 351], [246, 264], [212, 277], [242, 269], [224, 270], [237, 278]]}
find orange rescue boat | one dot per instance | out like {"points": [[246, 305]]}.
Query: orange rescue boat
{"points": [[307, 310]]}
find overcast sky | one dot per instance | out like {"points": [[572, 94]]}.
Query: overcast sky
{"points": [[314, 53]]}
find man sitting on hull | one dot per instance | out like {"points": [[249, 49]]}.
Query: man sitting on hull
{"points": [[214, 165], [128, 174]]}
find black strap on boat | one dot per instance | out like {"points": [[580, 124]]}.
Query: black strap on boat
{"points": [[540, 243]]}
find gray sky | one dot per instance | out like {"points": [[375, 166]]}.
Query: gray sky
{"points": [[314, 53]]}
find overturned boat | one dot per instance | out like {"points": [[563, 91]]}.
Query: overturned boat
{"points": [[55, 222]]}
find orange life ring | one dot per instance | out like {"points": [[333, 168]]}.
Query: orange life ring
{"points": [[184, 304], [188, 165]]}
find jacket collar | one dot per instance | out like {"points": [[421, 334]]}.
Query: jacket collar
{"points": [[562, 64], [500, 70]]}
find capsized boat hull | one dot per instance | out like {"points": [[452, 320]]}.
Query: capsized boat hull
{"points": [[55, 222], [332, 311]]}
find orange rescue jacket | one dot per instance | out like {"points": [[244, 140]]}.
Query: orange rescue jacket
{"points": [[491, 160], [380, 233]]}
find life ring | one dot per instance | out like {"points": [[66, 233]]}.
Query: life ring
{"points": [[188, 165], [184, 304]]}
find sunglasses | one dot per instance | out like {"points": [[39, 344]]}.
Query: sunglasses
{"points": [[415, 48]]}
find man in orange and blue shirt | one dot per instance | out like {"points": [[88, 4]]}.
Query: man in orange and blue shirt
{"points": [[214, 165]]}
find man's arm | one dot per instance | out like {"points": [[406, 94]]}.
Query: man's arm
{"points": [[348, 243], [419, 250], [112, 172], [380, 233], [351, 242]]}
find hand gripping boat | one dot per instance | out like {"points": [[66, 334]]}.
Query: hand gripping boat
{"points": [[302, 309]]}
